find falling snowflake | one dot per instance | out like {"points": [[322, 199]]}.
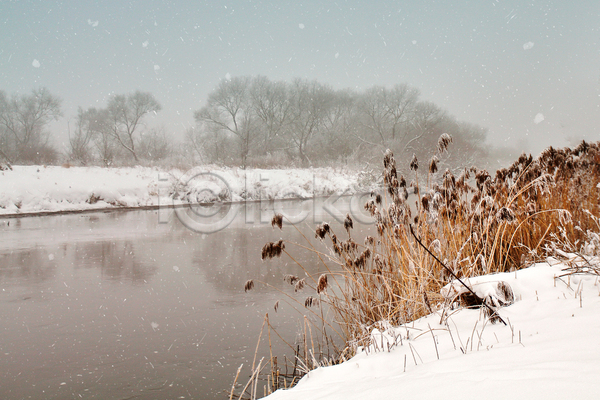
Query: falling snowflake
{"points": [[92, 23], [175, 268], [538, 118], [145, 44], [301, 26], [528, 45], [51, 257], [154, 325], [36, 63]]}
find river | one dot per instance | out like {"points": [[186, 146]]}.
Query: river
{"points": [[146, 304]]}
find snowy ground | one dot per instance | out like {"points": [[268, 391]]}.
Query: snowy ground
{"points": [[548, 350], [35, 189]]}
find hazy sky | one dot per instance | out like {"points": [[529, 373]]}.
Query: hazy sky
{"points": [[529, 71]]}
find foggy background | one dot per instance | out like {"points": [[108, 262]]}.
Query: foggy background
{"points": [[529, 72]]}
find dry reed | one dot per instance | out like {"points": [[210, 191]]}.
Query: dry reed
{"points": [[475, 222]]}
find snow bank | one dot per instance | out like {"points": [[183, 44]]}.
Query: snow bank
{"points": [[31, 189], [34, 189], [549, 350]]}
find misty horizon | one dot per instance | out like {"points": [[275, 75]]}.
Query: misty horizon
{"points": [[527, 73]]}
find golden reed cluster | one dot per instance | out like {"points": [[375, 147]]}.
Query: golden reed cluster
{"points": [[476, 222]]}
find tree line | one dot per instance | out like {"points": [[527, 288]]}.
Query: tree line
{"points": [[102, 136], [246, 121]]}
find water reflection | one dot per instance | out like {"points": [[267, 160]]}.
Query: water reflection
{"points": [[228, 259], [121, 260], [32, 265]]}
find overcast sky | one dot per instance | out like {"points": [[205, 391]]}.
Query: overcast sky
{"points": [[529, 71]]}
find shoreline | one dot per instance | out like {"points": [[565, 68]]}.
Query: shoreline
{"points": [[29, 191], [162, 206]]}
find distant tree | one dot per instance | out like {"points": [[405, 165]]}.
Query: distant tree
{"points": [[155, 145], [372, 107], [424, 128], [311, 103], [338, 137], [194, 145], [271, 106], [23, 120], [229, 112], [108, 149], [263, 121], [4, 144], [87, 129], [125, 114], [387, 113], [400, 103]]}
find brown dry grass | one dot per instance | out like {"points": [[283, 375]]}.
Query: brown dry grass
{"points": [[476, 223]]}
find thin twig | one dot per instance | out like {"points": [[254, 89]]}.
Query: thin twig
{"points": [[454, 275]]}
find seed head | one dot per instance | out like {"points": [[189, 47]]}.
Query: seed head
{"points": [[311, 301], [322, 284], [505, 214], [271, 249], [433, 165], [402, 182], [277, 221], [425, 202], [290, 279], [322, 230], [414, 164], [443, 142], [299, 285], [379, 262], [388, 159], [348, 223]]}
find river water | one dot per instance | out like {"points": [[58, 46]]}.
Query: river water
{"points": [[145, 304]]}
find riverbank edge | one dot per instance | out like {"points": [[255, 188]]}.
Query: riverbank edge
{"points": [[164, 206]]}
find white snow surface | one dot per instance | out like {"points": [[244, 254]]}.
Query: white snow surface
{"points": [[548, 350], [34, 189]]}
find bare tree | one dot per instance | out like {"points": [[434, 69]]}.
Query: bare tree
{"points": [[87, 128], [425, 127], [23, 119], [311, 103], [372, 106], [400, 102], [387, 112], [229, 111], [155, 145], [107, 147], [271, 106], [314, 123], [338, 137], [125, 113]]}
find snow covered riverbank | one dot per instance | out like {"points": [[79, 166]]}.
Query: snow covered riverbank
{"points": [[39, 189], [548, 350]]}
